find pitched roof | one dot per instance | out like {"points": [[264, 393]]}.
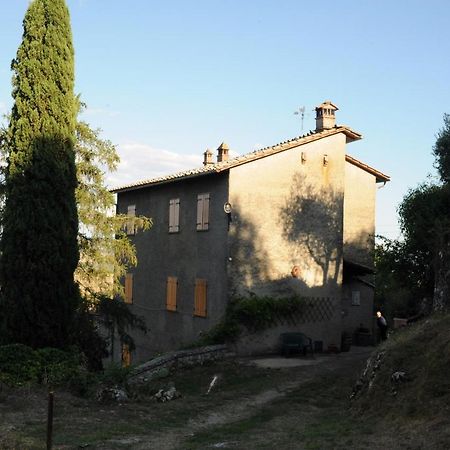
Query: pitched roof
{"points": [[311, 136], [381, 177]]}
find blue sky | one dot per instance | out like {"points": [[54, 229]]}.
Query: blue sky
{"points": [[166, 80]]}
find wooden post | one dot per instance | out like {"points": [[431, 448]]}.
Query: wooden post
{"points": [[50, 420]]}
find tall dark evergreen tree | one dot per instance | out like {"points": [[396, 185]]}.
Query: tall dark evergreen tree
{"points": [[39, 252]]}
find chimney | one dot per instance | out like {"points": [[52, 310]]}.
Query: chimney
{"points": [[222, 152], [325, 118], [208, 157]]}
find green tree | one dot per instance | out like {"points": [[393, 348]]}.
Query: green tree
{"points": [[417, 268], [39, 249], [441, 151], [105, 249]]}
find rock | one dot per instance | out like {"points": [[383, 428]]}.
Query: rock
{"points": [[167, 394], [399, 376], [112, 394]]}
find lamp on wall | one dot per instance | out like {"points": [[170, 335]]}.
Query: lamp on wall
{"points": [[325, 160]]}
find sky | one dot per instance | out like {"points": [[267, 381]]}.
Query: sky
{"points": [[167, 80]]}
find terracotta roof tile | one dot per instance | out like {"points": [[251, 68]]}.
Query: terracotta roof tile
{"points": [[257, 154]]}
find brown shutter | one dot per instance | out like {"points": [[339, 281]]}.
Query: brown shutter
{"points": [[171, 297], [131, 213], [200, 297], [176, 213], [171, 215], [205, 211], [200, 212], [126, 355], [129, 288]]}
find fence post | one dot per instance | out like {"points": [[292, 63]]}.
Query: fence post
{"points": [[50, 420]]}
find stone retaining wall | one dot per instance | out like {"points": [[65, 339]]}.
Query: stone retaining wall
{"points": [[161, 365]]}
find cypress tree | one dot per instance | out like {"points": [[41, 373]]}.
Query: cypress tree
{"points": [[39, 250]]}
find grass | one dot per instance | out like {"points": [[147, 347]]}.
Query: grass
{"points": [[309, 408]]}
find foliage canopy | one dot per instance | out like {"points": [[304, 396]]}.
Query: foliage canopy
{"points": [[39, 251]]}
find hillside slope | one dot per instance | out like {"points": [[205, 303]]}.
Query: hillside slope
{"points": [[406, 383]]}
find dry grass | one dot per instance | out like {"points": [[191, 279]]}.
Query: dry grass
{"points": [[304, 407]]}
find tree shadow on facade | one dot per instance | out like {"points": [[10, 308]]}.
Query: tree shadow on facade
{"points": [[312, 219], [249, 267]]}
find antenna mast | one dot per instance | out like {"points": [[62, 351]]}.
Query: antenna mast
{"points": [[301, 113]]}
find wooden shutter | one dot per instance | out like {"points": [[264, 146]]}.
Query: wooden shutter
{"points": [[126, 355], [205, 211], [131, 213], [202, 211], [171, 298], [174, 215], [129, 288], [200, 298]]}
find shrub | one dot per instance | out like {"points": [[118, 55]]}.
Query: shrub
{"points": [[254, 313], [58, 366], [114, 375], [19, 364]]}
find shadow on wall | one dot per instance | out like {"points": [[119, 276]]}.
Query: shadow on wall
{"points": [[312, 219], [249, 267], [359, 248], [248, 263]]}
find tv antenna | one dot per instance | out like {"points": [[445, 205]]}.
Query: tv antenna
{"points": [[300, 112]]}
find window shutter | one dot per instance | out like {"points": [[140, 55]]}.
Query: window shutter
{"points": [[200, 212], [171, 298], [174, 215], [126, 355], [130, 226], [171, 215], [129, 288], [205, 211], [176, 208], [200, 298]]}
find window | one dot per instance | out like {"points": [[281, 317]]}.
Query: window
{"points": [[202, 212], [171, 297], [129, 288], [130, 225], [126, 355], [356, 298], [200, 298], [174, 215]]}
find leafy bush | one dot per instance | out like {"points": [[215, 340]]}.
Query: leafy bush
{"points": [[57, 366], [114, 375], [19, 364], [254, 313]]}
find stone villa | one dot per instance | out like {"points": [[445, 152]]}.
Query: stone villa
{"points": [[297, 217]]}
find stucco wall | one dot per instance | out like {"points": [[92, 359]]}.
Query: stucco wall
{"points": [[359, 215], [288, 213], [187, 255], [355, 315]]}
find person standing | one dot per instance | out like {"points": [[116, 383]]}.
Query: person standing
{"points": [[382, 326]]}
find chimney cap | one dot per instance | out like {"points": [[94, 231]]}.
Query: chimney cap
{"points": [[223, 146], [327, 104]]}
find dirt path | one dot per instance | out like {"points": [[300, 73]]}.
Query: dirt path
{"points": [[244, 407]]}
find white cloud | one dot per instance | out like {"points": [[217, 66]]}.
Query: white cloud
{"points": [[140, 162]]}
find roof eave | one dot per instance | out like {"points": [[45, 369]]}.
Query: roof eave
{"points": [[380, 177], [158, 183]]}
